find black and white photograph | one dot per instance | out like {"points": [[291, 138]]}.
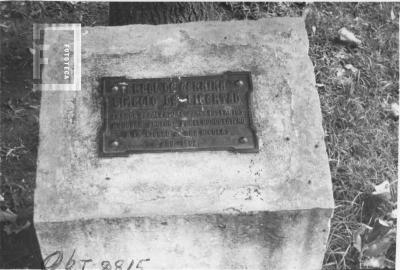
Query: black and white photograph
{"points": [[199, 135]]}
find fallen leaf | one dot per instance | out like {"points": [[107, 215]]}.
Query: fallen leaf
{"points": [[357, 241], [374, 262], [314, 29], [394, 108], [377, 241], [15, 228], [32, 51], [342, 55], [1, 198], [340, 72], [392, 16], [357, 236], [382, 188], [7, 215], [393, 214], [351, 67], [347, 36]]}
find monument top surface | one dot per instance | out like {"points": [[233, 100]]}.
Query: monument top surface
{"points": [[289, 172]]}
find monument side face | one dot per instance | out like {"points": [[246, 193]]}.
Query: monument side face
{"points": [[280, 240], [289, 173]]}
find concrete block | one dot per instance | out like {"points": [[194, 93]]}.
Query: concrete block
{"points": [[95, 204]]}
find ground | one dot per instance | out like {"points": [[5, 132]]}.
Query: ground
{"points": [[358, 88]]}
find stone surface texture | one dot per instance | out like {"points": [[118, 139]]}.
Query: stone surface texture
{"points": [[77, 191]]}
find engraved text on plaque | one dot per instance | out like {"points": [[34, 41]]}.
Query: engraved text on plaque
{"points": [[177, 114]]}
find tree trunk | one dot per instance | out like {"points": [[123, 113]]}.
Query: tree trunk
{"points": [[161, 12]]}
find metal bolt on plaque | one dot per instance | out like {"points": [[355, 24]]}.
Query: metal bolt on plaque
{"points": [[239, 83], [243, 140], [115, 143]]}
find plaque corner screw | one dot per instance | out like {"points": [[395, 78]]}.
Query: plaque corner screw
{"points": [[115, 144], [239, 83], [243, 140]]}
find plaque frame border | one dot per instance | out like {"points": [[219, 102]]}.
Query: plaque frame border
{"points": [[104, 107]]}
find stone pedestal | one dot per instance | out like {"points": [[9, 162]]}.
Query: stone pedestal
{"points": [[189, 210]]}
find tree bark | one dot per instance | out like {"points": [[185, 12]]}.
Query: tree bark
{"points": [[123, 13]]}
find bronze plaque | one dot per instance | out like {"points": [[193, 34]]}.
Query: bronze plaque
{"points": [[177, 114]]}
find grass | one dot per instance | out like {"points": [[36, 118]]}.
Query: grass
{"points": [[362, 134], [19, 112], [361, 129]]}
